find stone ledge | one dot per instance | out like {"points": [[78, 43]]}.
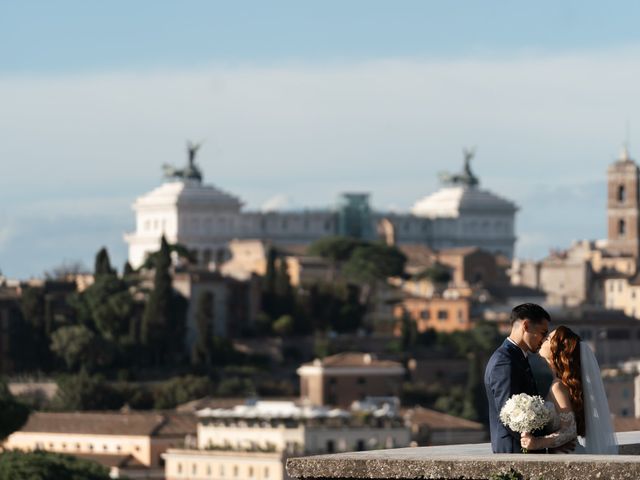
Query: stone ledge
{"points": [[472, 462]]}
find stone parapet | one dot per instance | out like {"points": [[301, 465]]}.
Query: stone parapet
{"points": [[474, 462]]}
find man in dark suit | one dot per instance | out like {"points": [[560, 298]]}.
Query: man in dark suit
{"points": [[508, 372]]}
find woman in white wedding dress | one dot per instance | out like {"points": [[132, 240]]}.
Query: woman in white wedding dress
{"points": [[576, 398]]}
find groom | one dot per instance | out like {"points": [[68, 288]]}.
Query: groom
{"points": [[508, 372]]}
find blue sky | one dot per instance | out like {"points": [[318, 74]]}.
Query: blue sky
{"points": [[303, 100]]}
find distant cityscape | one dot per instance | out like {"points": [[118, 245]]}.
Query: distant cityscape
{"points": [[233, 340]]}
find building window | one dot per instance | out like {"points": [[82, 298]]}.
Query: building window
{"points": [[443, 315], [78, 446], [333, 381], [360, 445], [251, 471], [622, 194], [105, 447], [91, 447], [425, 314], [330, 446], [622, 227]]}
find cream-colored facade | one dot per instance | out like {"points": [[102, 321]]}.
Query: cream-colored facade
{"points": [[143, 437], [622, 294], [252, 442], [249, 257], [224, 465]]}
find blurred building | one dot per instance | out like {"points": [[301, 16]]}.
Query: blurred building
{"points": [[249, 257], [347, 377], [437, 313], [234, 303], [253, 441], [131, 444], [430, 427], [205, 219], [600, 272]]}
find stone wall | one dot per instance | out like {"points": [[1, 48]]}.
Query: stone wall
{"points": [[471, 462]]}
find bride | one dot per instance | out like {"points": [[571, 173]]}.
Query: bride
{"points": [[576, 398]]}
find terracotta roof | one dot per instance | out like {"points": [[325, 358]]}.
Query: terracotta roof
{"points": [[418, 255], [435, 420], [354, 359], [154, 424], [111, 460]]}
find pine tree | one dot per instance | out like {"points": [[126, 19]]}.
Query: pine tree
{"points": [[204, 322], [127, 269], [269, 284], [156, 318], [103, 264]]}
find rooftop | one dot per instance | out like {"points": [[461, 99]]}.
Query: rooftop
{"points": [[152, 424]]}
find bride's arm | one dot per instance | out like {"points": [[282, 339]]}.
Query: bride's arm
{"points": [[568, 430]]}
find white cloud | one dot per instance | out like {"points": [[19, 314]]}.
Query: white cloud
{"points": [[277, 203]]}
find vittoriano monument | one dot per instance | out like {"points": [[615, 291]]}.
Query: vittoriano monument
{"points": [[191, 171], [466, 177]]}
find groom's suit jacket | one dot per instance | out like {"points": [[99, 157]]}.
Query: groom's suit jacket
{"points": [[508, 373]]}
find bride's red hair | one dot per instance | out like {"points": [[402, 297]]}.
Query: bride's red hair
{"points": [[565, 351]]}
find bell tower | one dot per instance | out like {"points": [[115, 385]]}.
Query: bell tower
{"points": [[623, 206]]}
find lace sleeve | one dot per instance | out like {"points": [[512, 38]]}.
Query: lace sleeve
{"points": [[568, 431]]}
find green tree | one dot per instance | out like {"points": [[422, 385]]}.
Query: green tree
{"points": [[203, 346], [33, 308], [283, 326], [162, 329], [102, 264], [335, 249], [78, 346], [475, 401], [85, 392], [178, 390], [13, 414], [127, 269], [374, 261], [41, 465]]}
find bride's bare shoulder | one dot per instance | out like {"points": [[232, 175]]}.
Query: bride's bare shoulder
{"points": [[560, 394]]}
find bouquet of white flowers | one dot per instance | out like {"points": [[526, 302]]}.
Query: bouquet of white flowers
{"points": [[525, 413]]}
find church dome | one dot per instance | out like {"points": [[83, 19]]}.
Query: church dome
{"points": [[189, 192], [449, 202]]}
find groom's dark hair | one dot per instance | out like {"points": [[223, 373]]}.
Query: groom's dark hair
{"points": [[534, 313]]}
